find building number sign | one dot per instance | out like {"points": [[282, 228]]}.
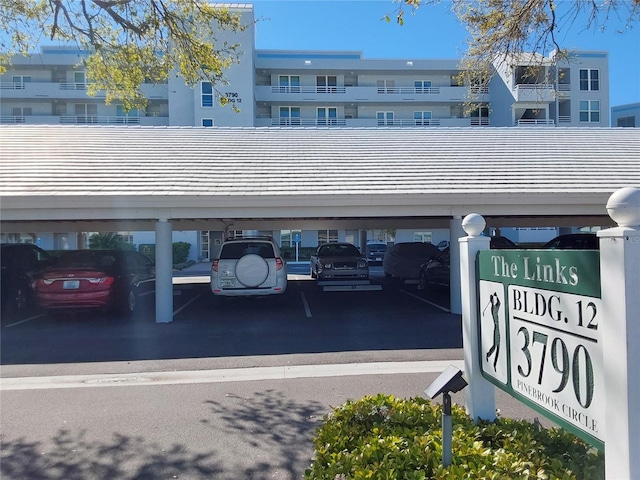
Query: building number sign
{"points": [[539, 313]]}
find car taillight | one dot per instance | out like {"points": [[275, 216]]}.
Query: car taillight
{"points": [[101, 280], [214, 266], [279, 263]]}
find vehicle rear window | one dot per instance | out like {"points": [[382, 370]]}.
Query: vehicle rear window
{"points": [[237, 250], [338, 251], [86, 259]]}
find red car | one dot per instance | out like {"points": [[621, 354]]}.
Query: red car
{"points": [[105, 279]]}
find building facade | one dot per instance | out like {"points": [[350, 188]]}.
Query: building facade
{"points": [[326, 89], [626, 115]]}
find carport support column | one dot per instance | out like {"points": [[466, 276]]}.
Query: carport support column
{"points": [[620, 278], [164, 272], [480, 395], [455, 232]]}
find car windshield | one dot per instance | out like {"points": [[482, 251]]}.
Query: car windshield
{"points": [[240, 249], [86, 259], [338, 250]]}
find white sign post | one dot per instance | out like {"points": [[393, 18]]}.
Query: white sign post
{"points": [[620, 270]]}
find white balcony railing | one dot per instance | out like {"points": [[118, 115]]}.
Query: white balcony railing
{"points": [[370, 122], [99, 119], [534, 93], [310, 89], [532, 121]]}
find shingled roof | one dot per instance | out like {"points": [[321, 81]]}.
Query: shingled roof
{"points": [[326, 171]]}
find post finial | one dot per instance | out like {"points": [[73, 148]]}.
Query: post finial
{"points": [[473, 224], [624, 207]]}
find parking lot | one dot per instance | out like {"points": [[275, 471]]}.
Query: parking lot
{"points": [[305, 319]]}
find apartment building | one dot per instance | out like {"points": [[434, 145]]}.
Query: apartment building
{"points": [[322, 88], [327, 89]]}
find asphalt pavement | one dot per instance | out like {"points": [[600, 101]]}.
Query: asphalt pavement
{"points": [[223, 392]]}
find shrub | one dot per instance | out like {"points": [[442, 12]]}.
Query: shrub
{"points": [[383, 437], [180, 252]]}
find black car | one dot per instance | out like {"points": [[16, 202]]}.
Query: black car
{"points": [[437, 271], [20, 263], [574, 241]]}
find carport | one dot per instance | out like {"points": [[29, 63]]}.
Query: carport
{"points": [[109, 178]]}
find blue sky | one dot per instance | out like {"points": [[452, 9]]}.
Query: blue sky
{"points": [[434, 32]]}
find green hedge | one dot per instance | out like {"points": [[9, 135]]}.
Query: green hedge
{"points": [[383, 437]]}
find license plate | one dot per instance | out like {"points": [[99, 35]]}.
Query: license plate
{"points": [[225, 283], [378, 259], [71, 284]]}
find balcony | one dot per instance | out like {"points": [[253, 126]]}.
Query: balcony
{"points": [[83, 120], [67, 91], [370, 122], [298, 94], [534, 93]]}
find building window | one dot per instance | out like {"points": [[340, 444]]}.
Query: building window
{"points": [[207, 94], [19, 81], [86, 112], [325, 236], [326, 83], [422, 118], [289, 83], [590, 111], [18, 114], [589, 79], [327, 116], [80, 80], [384, 118], [385, 86], [480, 115], [422, 86], [289, 115], [626, 122], [207, 122], [424, 237]]}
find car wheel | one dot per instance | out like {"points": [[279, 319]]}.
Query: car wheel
{"points": [[130, 302], [18, 299], [422, 280], [252, 270]]}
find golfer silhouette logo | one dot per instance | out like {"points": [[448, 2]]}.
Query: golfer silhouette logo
{"points": [[494, 303]]}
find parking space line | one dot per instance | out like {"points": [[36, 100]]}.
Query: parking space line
{"points": [[175, 312], [25, 320], [305, 303], [427, 301]]}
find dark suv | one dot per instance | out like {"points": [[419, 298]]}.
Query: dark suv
{"points": [[20, 263]]}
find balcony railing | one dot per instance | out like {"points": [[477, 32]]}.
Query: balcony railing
{"points": [[310, 89], [99, 119], [532, 121], [525, 92], [370, 122]]}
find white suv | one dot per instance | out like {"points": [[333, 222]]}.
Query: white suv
{"points": [[248, 266]]}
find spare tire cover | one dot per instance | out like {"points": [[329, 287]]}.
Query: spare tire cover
{"points": [[252, 270]]}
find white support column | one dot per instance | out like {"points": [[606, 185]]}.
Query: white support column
{"points": [[455, 232], [480, 394], [164, 272], [620, 274]]}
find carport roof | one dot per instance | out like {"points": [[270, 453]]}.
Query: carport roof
{"points": [[84, 173]]}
